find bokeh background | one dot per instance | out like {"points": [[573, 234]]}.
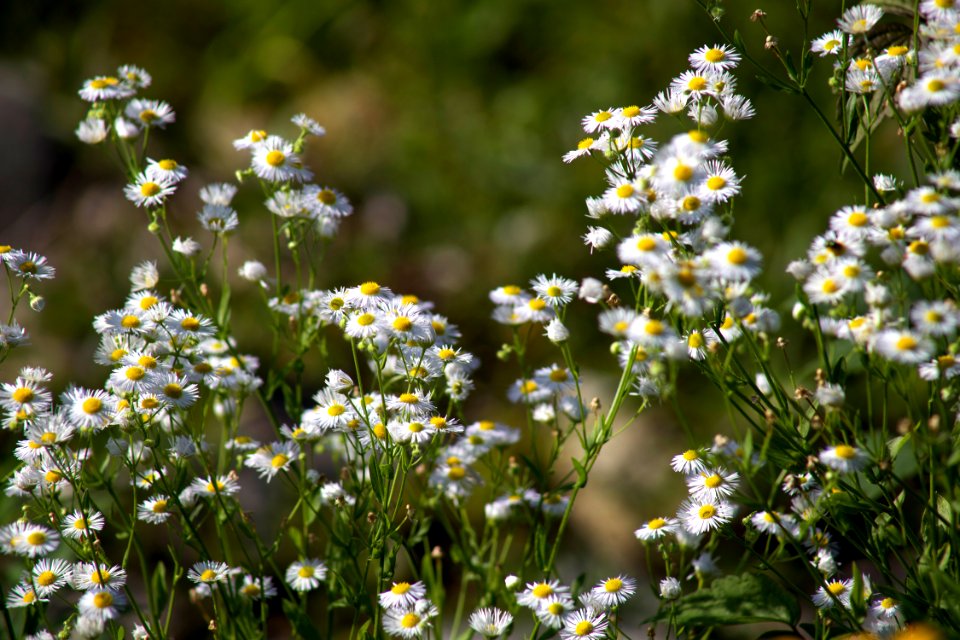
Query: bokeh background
{"points": [[446, 123]]}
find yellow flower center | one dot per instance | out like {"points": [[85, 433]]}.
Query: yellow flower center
{"points": [[695, 340], [583, 628], [415, 427], [712, 482], [715, 183], [208, 575], [528, 386], [935, 85], [149, 189], [173, 390], [36, 538], [555, 608], [365, 320], [625, 191], [697, 83], [326, 196], [542, 590], [584, 144], [400, 588], [559, 375], [656, 523], [275, 158], [402, 324], [168, 165], [29, 597], [160, 506], [845, 451], [836, 587], [456, 473], [537, 304], [190, 323], [707, 511], [46, 578], [305, 572], [829, 286], [690, 455], [22, 395], [906, 343], [409, 620], [99, 577], [369, 288], [682, 172], [603, 116], [714, 55], [279, 460], [690, 203], [613, 585]]}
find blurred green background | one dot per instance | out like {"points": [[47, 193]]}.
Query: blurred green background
{"points": [[446, 123]]}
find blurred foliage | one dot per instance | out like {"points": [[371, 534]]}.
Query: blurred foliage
{"points": [[446, 123]]}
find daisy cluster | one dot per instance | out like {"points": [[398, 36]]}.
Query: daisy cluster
{"points": [[589, 614], [22, 269], [875, 277], [666, 213], [936, 59], [407, 611]]}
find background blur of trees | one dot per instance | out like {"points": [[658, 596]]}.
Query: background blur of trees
{"points": [[446, 122]]}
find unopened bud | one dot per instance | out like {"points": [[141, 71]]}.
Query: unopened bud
{"points": [[37, 303], [770, 43], [436, 553], [758, 15]]}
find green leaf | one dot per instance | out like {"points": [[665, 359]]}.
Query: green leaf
{"points": [[159, 586], [895, 445], [740, 599], [302, 625], [581, 473]]}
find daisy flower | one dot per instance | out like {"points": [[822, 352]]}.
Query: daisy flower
{"points": [[402, 595], [599, 121], [844, 458], [149, 191], [256, 588], [718, 56], [860, 19], [584, 624], [208, 572], [76, 525], [23, 595], [305, 575], [218, 218], [656, 528], [713, 484], [688, 462], [49, 575], [36, 540], [584, 148], [835, 590], [556, 290], [554, 609], [275, 161], [225, 486], [734, 261], [326, 201], [90, 576], [903, 346], [409, 622], [537, 593], [156, 510], [101, 605], [103, 88], [613, 592], [490, 623], [624, 197], [271, 460], [150, 113], [701, 516]]}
